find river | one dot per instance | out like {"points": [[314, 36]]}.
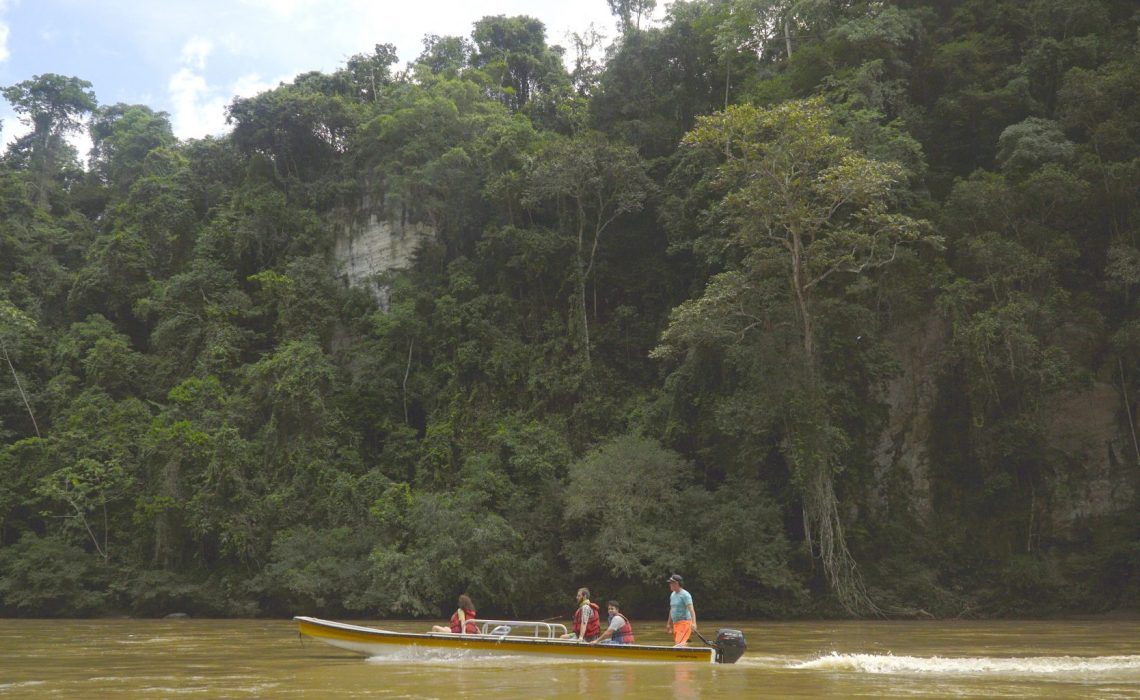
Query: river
{"points": [[267, 659]]}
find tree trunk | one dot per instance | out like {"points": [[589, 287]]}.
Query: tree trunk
{"points": [[584, 314], [583, 271], [802, 300]]}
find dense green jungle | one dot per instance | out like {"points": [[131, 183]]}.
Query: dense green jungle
{"points": [[828, 305]]}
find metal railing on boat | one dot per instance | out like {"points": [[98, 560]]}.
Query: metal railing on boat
{"points": [[519, 628]]}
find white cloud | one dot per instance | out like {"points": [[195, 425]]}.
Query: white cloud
{"points": [[195, 51], [12, 128], [251, 84], [5, 32], [197, 108], [195, 112], [284, 8]]}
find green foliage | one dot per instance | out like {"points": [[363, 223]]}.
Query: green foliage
{"points": [[53, 105], [435, 546], [771, 288], [319, 570], [621, 502], [48, 577], [1025, 147], [744, 557], [512, 53], [122, 137]]}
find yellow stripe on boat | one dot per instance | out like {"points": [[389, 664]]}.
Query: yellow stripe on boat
{"points": [[371, 642]]}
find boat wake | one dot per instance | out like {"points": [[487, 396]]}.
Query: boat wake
{"points": [[1118, 667], [474, 657]]}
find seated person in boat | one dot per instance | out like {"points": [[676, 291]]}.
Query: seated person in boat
{"points": [[619, 630], [463, 621], [587, 619]]}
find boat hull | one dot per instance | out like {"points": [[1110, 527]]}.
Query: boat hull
{"points": [[376, 642]]}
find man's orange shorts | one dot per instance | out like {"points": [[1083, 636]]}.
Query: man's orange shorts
{"points": [[681, 631]]}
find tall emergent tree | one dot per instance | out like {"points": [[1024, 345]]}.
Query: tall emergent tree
{"points": [[513, 53], [805, 215], [54, 106]]}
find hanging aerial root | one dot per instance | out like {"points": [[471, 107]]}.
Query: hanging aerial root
{"points": [[829, 545]]}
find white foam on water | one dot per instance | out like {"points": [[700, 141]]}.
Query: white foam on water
{"points": [[432, 655], [20, 684], [484, 658], [1060, 667]]}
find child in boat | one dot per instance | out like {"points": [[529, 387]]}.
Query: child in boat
{"points": [[463, 621]]}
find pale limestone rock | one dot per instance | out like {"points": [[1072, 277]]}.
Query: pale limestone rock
{"points": [[366, 249]]}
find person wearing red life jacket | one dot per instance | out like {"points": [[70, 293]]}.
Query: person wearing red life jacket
{"points": [[619, 630], [462, 621], [587, 619]]}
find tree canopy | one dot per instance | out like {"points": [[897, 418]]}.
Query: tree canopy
{"points": [[830, 306]]}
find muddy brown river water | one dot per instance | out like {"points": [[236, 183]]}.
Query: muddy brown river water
{"points": [[267, 659]]}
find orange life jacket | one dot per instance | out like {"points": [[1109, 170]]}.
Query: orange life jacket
{"points": [[469, 622]]}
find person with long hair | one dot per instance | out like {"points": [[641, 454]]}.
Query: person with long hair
{"points": [[463, 621]]}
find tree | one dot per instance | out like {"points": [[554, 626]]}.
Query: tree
{"points": [[639, 537], [591, 183], [1027, 145], [629, 13], [122, 136], [658, 80], [446, 56], [53, 105], [512, 51], [805, 213], [370, 73], [800, 196], [300, 130], [774, 22]]}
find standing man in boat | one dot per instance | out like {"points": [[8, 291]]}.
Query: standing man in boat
{"points": [[619, 630], [682, 615], [587, 619], [462, 621]]}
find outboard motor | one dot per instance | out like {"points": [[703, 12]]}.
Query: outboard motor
{"points": [[729, 645]]}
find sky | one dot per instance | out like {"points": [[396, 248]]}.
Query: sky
{"points": [[190, 58]]}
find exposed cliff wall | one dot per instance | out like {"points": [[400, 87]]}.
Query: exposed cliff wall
{"points": [[370, 245], [1087, 431], [910, 398], [1094, 456]]}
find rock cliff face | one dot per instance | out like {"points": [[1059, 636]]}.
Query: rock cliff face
{"points": [[1088, 433], [910, 397], [371, 245], [1095, 455]]}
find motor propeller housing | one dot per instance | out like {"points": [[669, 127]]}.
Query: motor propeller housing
{"points": [[730, 646]]}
